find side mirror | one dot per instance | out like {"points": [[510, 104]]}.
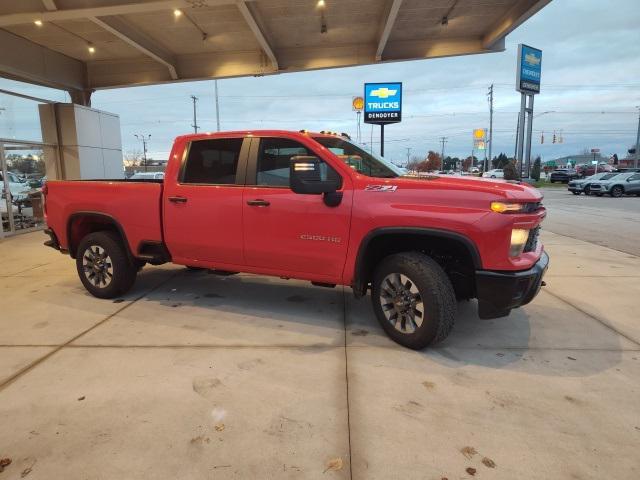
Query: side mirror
{"points": [[308, 175]]}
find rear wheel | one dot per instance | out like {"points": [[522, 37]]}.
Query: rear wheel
{"points": [[413, 299], [587, 190], [617, 191], [103, 265]]}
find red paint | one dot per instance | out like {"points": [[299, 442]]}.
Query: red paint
{"points": [[296, 236]]}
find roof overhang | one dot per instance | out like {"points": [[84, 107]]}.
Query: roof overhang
{"points": [[48, 42]]}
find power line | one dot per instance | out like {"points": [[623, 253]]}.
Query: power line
{"points": [[443, 140]]}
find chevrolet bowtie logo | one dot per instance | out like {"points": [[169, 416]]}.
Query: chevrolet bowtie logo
{"points": [[531, 59], [383, 92]]}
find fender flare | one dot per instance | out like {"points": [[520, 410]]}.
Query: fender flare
{"points": [[359, 284], [102, 216]]}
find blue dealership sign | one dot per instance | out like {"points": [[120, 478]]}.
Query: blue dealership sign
{"points": [[382, 102], [529, 69]]}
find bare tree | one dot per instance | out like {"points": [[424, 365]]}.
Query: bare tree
{"points": [[414, 162], [133, 158]]}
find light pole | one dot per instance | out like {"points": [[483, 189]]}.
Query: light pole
{"points": [[637, 141], [195, 115], [144, 139]]}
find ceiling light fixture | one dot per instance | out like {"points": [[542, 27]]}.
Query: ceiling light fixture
{"points": [[321, 4], [91, 48], [38, 23], [177, 13]]}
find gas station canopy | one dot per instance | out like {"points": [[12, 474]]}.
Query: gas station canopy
{"points": [[83, 45]]}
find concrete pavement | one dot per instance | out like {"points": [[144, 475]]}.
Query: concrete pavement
{"points": [[198, 376]]}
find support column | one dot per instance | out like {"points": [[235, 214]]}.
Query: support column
{"points": [[81, 97]]}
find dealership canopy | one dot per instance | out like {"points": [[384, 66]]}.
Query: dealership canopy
{"points": [[83, 45]]}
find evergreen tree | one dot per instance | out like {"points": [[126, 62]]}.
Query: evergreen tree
{"points": [[535, 170]]}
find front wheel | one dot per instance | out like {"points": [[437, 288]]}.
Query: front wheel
{"points": [[103, 265], [413, 299]]}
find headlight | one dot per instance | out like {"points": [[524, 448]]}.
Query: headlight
{"points": [[519, 239], [502, 207]]}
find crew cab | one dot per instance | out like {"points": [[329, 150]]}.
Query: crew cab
{"points": [[315, 207]]}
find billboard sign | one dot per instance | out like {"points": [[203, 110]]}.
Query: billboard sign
{"points": [[382, 103], [529, 69], [479, 138]]}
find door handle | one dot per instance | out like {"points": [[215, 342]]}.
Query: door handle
{"points": [[178, 199], [258, 203]]}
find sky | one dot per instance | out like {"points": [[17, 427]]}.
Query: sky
{"points": [[589, 94]]}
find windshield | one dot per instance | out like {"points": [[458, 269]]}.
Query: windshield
{"points": [[357, 158]]}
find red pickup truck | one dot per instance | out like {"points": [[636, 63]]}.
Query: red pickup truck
{"points": [[317, 207]]}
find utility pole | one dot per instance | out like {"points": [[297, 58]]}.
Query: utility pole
{"points": [[638, 141], [215, 82], [490, 94], [145, 139], [443, 140], [195, 121], [408, 154]]}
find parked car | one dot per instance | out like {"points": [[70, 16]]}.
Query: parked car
{"points": [[314, 207], [563, 175], [619, 185], [17, 186], [495, 173], [627, 170], [584, 184], [147, 176]]}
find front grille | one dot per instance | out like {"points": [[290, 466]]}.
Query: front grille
{"points": [[532, 240], [531, 207]]}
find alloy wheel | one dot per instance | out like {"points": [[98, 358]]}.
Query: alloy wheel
{"points": [[401, 303], [97, 266]]}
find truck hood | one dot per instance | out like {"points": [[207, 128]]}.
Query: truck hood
{"points": [[487, 188]]}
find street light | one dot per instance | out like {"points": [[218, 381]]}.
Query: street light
{"points": [[144, 139], [544, 113]]}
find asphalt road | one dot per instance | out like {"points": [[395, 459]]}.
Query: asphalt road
{"points": [[611, 222]]}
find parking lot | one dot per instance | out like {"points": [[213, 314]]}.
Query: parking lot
{"points": [[194, 375], [607, 221]]}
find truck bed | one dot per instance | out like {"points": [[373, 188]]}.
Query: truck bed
{"points": [[135, 205]]}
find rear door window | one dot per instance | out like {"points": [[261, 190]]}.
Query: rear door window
{"points": [[212, 162]]}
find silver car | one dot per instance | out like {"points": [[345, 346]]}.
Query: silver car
{"points": [[584, 184], [621, 184]]}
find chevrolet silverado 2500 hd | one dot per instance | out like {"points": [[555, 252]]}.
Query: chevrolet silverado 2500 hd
{"points": [[317, 207]]}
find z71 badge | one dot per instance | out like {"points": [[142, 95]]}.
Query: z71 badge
{"points": [[380, 188]]}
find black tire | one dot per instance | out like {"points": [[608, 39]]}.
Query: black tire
{"points": [[493, 176], [435, 294], [552, 181], [617, 191], [107, 249], [599, 194], [587, 190]]}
